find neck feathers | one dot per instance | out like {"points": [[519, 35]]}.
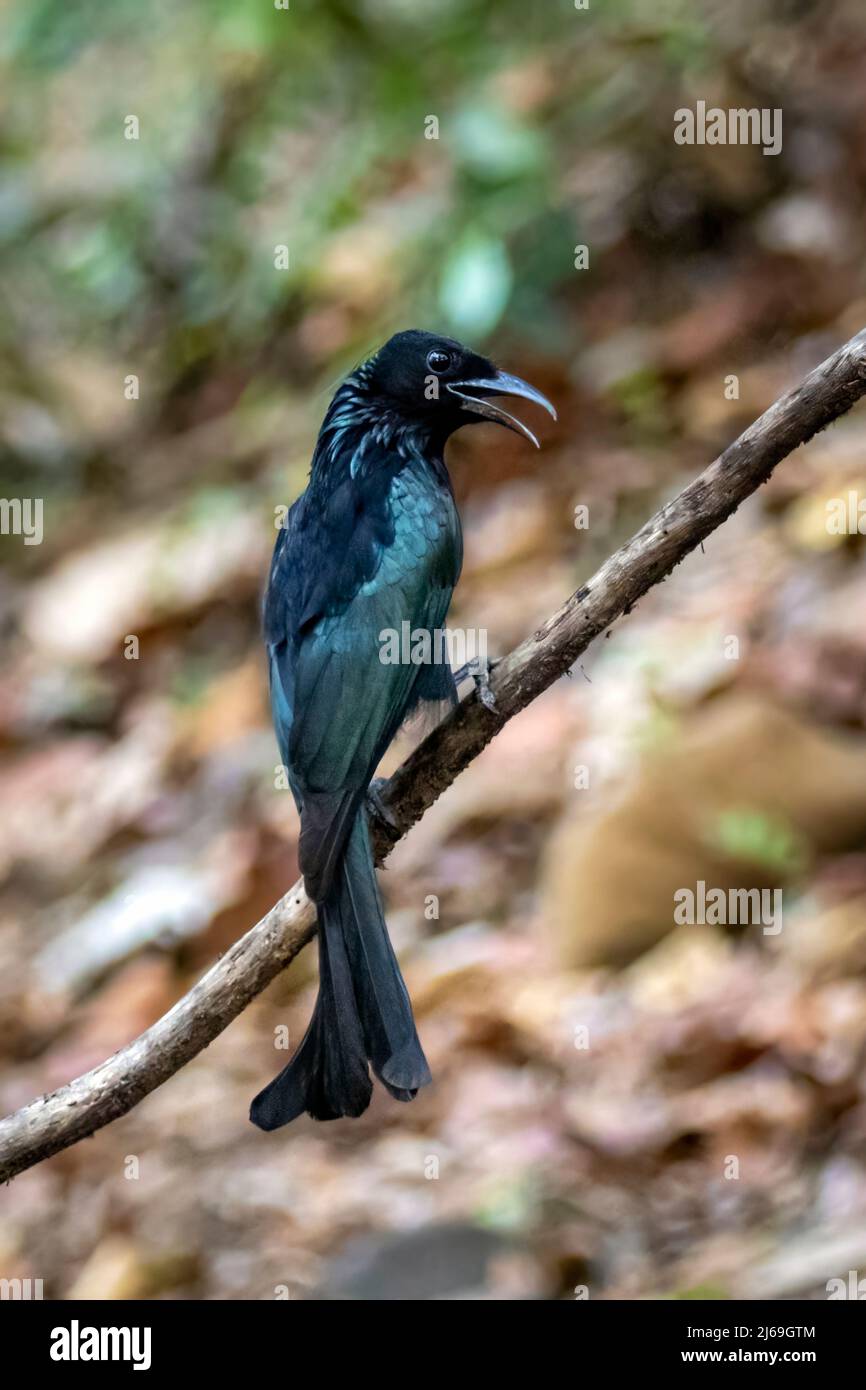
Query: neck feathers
{"points": [[360, 434]]}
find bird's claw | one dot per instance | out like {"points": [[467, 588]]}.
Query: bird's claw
{"points": [[479, 668], [377, 804]]}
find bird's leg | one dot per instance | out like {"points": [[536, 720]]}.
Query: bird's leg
{"points": [[378, 807], [479, 669]]}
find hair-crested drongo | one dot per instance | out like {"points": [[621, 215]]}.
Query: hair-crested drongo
{"points": [[373, 543]]}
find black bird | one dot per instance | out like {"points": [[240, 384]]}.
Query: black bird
{"points": [[374, 542]]}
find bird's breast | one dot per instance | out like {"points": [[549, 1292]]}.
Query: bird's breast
{"points": [[427, 544]]}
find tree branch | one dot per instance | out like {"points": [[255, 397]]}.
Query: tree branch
{"points": [[76, 1110]]}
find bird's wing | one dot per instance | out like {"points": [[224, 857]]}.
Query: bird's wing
{"points": [[384, 556]]}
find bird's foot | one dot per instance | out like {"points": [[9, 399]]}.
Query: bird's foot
{"points": [[376, 803], [479, 669]]}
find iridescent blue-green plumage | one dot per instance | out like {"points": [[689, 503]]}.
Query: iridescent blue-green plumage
{"points": [[374, 542]]}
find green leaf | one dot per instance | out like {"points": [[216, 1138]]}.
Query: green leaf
{"points": [[476, 286], [759, 838], [494, 145]]}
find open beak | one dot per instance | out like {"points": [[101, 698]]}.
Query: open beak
{"points": [[473, 397]]}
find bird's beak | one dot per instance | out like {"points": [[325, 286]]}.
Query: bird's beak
{"points": [[473, 397]]}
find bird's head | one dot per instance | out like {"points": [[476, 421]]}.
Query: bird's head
{"points": [[438, 385]]}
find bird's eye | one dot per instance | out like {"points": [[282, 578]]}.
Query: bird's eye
{"points": [[438, 361]]}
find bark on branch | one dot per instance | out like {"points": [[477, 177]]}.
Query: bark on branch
{"points": [[73, 1112]]}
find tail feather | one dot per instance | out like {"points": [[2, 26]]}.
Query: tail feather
{"points": [[362, 1013], [328, 1075], [383, 1000]]}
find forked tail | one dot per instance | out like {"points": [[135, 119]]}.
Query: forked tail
{"points": [[362, 1012]]}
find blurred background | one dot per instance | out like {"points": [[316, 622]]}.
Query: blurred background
{"points": [[622, 1106]]}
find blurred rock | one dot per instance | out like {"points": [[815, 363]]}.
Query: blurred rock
{"points": [[444, 1262], [614, 867]]}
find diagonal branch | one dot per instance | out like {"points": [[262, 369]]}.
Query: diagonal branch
{"points": [[60, 1119]]}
